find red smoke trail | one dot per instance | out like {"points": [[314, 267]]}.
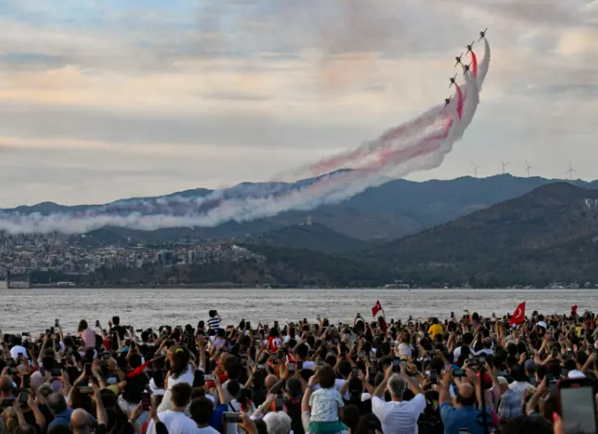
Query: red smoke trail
{"points": [[474, 68]]}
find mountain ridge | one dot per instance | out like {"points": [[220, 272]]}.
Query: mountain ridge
{"points": [[390, 211], [528, 238]]}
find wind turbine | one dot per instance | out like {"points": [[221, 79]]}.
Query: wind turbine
{"points": [[475, 169], [570, 172], [504, 166], [527, 168]]}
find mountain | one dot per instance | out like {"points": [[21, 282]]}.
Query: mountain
{"points": [[393, 210], [309, 237], [549, 234]]}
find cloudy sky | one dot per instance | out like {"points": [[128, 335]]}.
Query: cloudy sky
{"points": [[105, 99]]}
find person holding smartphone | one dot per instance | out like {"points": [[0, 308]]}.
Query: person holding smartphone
{"points": [[466, 416], [398, 416]]}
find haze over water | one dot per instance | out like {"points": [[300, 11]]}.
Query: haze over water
{"points": [[34, 310]]}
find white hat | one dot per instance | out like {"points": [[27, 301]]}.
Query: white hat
{"points": [[542, 324]]}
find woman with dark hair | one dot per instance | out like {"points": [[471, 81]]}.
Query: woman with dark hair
{"points": [[87, 334], [181, 371]]}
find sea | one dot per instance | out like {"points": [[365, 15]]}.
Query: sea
{"points": [[34, 310]]}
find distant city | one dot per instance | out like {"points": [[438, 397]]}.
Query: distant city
{"points": [[63, 255]]}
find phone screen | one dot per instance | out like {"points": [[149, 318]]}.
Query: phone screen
{"points": [[433, 377], [292, 366], [146, 401], [578, 409], [279, 404], [26, 381], [355, 372], [396, 364], [23, 396]]}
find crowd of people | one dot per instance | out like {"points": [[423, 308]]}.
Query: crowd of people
{"points": [[461, 375]]}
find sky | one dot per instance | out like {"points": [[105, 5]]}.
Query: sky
{"points": [[109, 99]]}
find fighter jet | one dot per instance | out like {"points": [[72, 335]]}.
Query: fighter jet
{"points": [[469, 47], [458, 59], [466, 67], [452, 79], [447, 101], [483, 34]]}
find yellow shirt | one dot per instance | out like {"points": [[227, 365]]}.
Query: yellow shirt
{"points": [[435, 329]]}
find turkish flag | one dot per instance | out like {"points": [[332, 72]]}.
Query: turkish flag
{"points": [[574, 308], [519, 315], [377, 308]]}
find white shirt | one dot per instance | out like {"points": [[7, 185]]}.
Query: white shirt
{"points": [[487, 351], [405, 350], [324, 405], [18, 349], [399, 416], [176, 423], [519, 387], [207, 430], [185, 377]]}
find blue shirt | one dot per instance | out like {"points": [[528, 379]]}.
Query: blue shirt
{"points": [[64, 418], [464, 419]]}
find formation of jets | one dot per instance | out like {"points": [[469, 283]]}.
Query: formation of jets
{"points": [[465, 67]]}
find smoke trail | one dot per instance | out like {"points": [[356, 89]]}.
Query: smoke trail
{"points": [[420, 144], [484, 65]]}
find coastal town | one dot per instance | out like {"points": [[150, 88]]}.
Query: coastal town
{"points": [[58, 254]]}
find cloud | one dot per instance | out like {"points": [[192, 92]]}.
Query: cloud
{"points": [[100, 100]]}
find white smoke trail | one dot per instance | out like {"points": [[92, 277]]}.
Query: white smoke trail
{"points": [[420, 144]]}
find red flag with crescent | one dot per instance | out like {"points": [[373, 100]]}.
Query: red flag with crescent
{"points": [[519, 315], [377, 308]]}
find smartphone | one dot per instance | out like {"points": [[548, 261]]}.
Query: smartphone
{"points": [[26, 381], [355, 373], [458, 373], [97, 322], [433, 377], [56, 323], [361, 354], [396, 364], [279, 403], [552, 385], [320, 363], [23, 396], [106, 356], [577, 405], [88, 369], [86, 390], [555, 352], [56, 372], [292, 366], [300, 365], [372, 373], [146, 401], [208, 377], [231, 417], [260, 367]]}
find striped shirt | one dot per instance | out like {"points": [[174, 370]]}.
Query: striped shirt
{"points": [[214, 323]]}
